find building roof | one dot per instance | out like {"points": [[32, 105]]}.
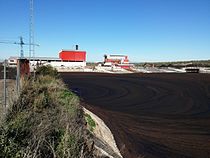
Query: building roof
{"points": [[70, 50], [36, 58], [117, 55], [44, 58]]}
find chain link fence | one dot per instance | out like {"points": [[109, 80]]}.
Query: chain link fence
{"points": [[8, 86]]}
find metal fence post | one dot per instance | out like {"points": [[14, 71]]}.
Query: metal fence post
{"points": [[18, 77], [5, 86]]}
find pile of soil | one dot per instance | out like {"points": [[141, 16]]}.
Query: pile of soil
{"points": [[150, 115]]}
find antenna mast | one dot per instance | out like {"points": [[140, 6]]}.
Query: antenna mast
{"points": [[31, 31]]}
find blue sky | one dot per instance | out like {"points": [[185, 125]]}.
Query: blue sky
{"points": [[145, 30]]}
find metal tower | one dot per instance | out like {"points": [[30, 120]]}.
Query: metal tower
{"points": [[21, 43], [31, 31], [21, 47]]}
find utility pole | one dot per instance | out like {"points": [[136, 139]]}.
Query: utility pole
{"points": [[21, 43], [21, 47]]}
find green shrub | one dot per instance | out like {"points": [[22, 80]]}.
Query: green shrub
{"points": [[90, 121], [47, 70], [46, 121], [69, 145]]}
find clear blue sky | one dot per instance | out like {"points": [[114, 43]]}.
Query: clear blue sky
{"points": [[145, 30]]}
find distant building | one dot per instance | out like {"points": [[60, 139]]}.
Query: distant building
{"points": [[67, 58], [73, 55], [73, 58], [117, 60], [12, 61]]}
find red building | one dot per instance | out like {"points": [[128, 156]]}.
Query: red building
{"points": [[73, 55], [117, 60]]}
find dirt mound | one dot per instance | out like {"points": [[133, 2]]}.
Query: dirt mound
{"points": [[150, 115]]}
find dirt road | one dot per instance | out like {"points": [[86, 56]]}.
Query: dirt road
{"points": [[150, 115]]}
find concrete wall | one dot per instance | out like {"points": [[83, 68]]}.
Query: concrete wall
{"points": [[67, 64]]}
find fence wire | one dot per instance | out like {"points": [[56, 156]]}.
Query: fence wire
{"points": [[8, 84]]}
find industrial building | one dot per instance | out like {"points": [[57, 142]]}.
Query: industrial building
{"points": [[121, 61], [67, 59]]}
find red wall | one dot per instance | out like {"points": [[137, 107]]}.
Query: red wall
{"points": [[73, 55], [24, 67], [125, 66]]}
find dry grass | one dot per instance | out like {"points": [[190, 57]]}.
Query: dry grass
{"points": [[46, 121]]}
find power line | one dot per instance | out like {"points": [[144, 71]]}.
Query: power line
{"points": [[21, 43]]}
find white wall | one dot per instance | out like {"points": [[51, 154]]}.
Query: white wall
{"points": [[12, 62], [67, 64]]}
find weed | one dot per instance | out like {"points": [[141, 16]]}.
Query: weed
{"points": [[47, 70], [45, 121], [90, 122]]}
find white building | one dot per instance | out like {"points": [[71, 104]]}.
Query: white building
{"points": [[54, 62]]}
